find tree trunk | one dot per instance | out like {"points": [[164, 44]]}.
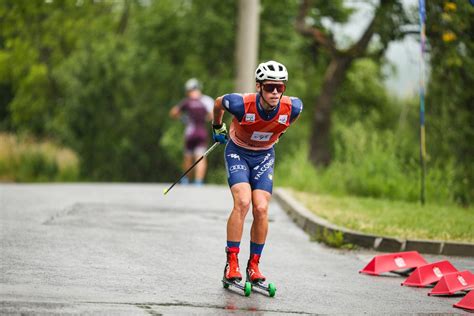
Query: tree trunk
{"points": [[320, 141], [247, 45], [122, 26], [387, 19]]}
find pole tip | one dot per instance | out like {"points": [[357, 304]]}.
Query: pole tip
{"points": [[165, 191]]}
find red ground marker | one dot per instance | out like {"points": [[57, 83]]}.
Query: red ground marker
{"points": [[467, 302], [429, 273], [394, 262], [451, 283]]}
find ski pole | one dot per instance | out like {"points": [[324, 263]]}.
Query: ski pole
{"points": [[190, 168]]}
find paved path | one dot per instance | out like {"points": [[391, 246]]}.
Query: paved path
{"points": [[127, 249]]}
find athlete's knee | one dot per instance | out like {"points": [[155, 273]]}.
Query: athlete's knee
{"points": [[242, 204], [260, 211]]}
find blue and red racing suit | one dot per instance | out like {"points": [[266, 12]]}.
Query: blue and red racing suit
{"points": [[249, 154]]}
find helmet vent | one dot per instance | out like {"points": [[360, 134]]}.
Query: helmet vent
{"points": [[271, 70]]}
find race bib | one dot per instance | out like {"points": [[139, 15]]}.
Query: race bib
{"points": [[261, 136], [250, 117], [282, 119]]}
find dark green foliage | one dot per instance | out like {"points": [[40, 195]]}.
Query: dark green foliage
{"points": [[101, 76], [375, 144], [450, 99], [110, 123], [34, 166], [35, 37], [6, 96], [118, 91]]}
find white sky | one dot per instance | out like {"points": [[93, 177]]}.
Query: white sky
{"points": [[403, 55]]}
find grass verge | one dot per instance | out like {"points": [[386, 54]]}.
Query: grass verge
{"points": [[399, 219]]}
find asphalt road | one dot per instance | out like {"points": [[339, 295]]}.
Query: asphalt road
{"points": [[127, 249]]}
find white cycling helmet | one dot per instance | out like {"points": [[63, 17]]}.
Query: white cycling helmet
{"points": [[192, 84], [271, 70]]}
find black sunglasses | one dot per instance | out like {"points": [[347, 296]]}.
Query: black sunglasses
{"points": [[270, 87]]}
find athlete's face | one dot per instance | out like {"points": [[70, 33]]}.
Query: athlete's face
{"points": [[271, 92], [194, 94]]}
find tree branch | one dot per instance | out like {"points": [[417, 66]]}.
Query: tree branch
{"points": [[360, 46], [313, 32], [358, 49], [122, 26], [377, 54]]}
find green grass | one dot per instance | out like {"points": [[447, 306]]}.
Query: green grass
{"points": [[369, 165], [24, 159], [400, 219]]}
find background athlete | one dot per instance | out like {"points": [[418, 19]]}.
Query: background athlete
{"points": [[195, 111], [259, 119]]}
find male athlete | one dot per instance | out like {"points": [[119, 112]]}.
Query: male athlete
{"points": [[259, 119], [194, 110]]}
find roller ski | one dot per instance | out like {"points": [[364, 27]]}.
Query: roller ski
{"points": [[232, 276], [256, 278]]}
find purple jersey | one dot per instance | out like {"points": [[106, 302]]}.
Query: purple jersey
{"points": [[196, 111]]}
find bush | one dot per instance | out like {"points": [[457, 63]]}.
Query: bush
{"points": [[24, 160], [33, 165], [368, 164]]}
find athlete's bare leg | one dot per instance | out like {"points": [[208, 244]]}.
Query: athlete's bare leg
{"points": [[200, 169], [187, 163], [242, 195], [260, 202]]}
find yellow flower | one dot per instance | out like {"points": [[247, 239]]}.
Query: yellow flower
{"points": [[449, 36], [450, 6]]}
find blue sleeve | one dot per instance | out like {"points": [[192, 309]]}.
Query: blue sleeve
{"points": [[296, 108], [234, 104]]}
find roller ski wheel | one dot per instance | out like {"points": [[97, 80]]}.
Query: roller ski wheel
{"points": [[261, 286], [245, 287]]}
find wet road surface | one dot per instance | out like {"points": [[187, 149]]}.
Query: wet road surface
{"points": [[127, 249]]}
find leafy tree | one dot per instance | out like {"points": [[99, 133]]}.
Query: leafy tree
{"points": [[101, 77], [36, 36], [450, 97], [118, 91], [386, 22]]}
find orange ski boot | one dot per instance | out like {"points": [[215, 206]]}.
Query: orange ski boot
{"points": [[232, 270], [253, 273]]}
